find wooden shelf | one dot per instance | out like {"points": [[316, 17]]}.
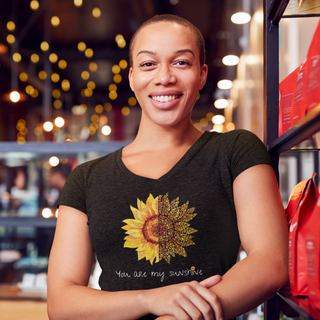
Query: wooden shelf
{"points": [[300, 305]]}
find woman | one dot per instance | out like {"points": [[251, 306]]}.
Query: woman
{"points": [[165, 215]]}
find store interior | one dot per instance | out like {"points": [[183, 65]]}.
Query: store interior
{"points": [[65, 99]]}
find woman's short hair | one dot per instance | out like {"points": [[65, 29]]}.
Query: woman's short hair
{"points": [[178, 20]]}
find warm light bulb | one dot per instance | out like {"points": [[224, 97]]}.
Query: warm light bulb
{"points": [[53, 58], [14, 96], [221, 103], [218, 119], [240, 18], [123, 64], [230, 60], [88, 52], [125, 111], [11, 25], [48, 126], [34, 5], [62, 64], [59, 122], [106, 130], [96, 12], [16, 57], [225, 84], [55, 21], [46, 213], [34, 58], [77, 3], [11, 38], [44, 46], [116, 69]]}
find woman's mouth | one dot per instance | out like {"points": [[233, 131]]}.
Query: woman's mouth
{"points": [[165, 98]]}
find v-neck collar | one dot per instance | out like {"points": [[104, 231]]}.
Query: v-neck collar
{"points": [[184, 159]]}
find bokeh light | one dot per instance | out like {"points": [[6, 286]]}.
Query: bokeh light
{"points": [[34, 5], [46, 213], [106, 130], [54, 161], [44, 46], [55, 21], [48, 126], [14, 96], [62, 64], [59, 122], [23, 76], [93, 66], [34, 58], [96, 12]]}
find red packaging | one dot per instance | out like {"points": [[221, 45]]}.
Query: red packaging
{"points": [[313, 257], [286, 88], [294, 200], [298, 233], [298, 107], [313, 71]]}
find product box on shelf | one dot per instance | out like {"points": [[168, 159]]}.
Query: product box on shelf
{"points": [[298, 106], [287, 87], [313, 257], [313, 71], [299, 227]]}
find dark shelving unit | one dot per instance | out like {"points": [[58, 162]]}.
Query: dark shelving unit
{"points": [[274, 11]]}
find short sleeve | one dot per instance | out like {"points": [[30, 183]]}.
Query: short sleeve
{"points": [[247, 151], [73, 193]]}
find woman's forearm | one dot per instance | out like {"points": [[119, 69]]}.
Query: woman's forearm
{"points": [[80, 302], [249, 283]]}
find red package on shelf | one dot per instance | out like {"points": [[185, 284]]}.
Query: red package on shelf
{"points": [[286, 88], [313, 71], [298, 107], [313, 257], [298, 233]]}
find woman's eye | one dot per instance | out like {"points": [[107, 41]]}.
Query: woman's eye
{"points": [[146, 64], [182, 63]]}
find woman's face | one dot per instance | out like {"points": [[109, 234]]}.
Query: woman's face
{"points": [[166, 75]]}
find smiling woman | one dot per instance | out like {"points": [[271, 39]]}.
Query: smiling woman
{"points": [[165, 215]]}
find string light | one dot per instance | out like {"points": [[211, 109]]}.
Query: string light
{"points": [[108, 106], [57, 104], [23, 76], [218, 119], [42, 75], [88, 53], [48, 126], [93, 66], [230, 60], [38, 131], [106, 130], [62, 64], [82, 46], [77, 3], [113, 95], [44, 46], [125, 111], [132, 101], [35, 93], [16, 57], [54, 161], [29, 89], [46, 213], [240, 18], [123, 64], [112, 87], [11, 38], [55, 77], [221, 103], [209, 116], [95, 118], [96, 12], [116, 69], [203, 122], [11, 25], [34, 58], [53, 58], [225, 84], [85, 75], [55, 21], [117, 78], [34, 5], [65, 85], [56, 93], [91, 85]]}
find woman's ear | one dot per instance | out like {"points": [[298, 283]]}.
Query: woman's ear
{"points": [[131, 79], [203, 76]]}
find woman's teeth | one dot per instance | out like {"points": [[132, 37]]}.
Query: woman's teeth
{"points": [[164, 98]]}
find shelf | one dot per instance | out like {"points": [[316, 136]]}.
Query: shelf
{"points": [[301, 131], [36, 149], [293, 9], [28, 222], [300, 305], [8, 292]]}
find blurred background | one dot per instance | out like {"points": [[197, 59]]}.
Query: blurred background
{"points": [[65, 99]]}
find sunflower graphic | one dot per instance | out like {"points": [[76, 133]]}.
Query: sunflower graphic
{"points": [[160, 228]]}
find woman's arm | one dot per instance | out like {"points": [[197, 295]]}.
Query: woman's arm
{"points": [[264, 236], [69, 297]]}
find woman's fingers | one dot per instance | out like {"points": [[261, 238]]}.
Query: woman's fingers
{"points": [[212, 281]]}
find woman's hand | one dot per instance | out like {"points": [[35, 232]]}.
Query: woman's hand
{"points": [[185, 301]]}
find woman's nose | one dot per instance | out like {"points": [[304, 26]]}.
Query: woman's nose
{"points": [[164, 76]]}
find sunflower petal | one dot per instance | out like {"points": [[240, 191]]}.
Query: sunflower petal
{"points": [[133, 223]]}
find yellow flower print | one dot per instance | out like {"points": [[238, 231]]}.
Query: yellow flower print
{"points": [[159, 229]]}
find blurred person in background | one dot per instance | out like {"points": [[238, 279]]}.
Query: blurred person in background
{"points": [[166, 214]]}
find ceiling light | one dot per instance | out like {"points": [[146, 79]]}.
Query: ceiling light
{"points": [[221, 103], [230, 60], [218, 119], [59, 122], [240, 18], [14, 96], [225, 84]]}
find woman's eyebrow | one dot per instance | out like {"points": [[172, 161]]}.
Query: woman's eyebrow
{"points": [[146, 51], [185, 50]]}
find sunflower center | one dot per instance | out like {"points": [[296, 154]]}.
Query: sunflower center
{"points": [[150, 230]]}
